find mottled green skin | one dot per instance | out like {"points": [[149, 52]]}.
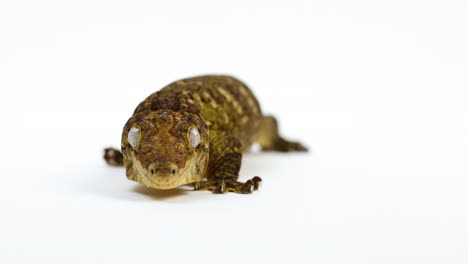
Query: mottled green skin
{"points": [[225, 104], [229, 119]]}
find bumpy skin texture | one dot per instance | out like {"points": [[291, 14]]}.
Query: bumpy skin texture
{"points": [[229, 120]]}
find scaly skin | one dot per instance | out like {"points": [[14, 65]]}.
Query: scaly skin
{"points": [[228, 119]]}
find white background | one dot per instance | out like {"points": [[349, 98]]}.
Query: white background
{"points": [[376, 89]]}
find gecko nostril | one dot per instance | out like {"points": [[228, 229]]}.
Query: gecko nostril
{"points": [[152, 171], [173, 171]]}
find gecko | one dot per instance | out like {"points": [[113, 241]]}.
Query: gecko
{"points": [[194, 131]]}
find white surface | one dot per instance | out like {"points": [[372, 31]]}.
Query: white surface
{"points": [[378, 90]]}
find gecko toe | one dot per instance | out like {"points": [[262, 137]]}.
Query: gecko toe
{"points": [[296, 146], [249, 186], [257, 182], [221, 187], [300, 147]]}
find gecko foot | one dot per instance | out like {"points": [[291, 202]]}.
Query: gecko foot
{"points": [[229, 185], [284, 145], [113, 157], [295, 146]]}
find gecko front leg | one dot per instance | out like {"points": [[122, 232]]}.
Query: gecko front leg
{"points": [[223, 167], [113, 157]]}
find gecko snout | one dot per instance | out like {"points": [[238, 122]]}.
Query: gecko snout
{"points": [[162, 170]]}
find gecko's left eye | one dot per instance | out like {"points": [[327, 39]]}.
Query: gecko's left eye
{"points": [[134, 137], [194, 137]]}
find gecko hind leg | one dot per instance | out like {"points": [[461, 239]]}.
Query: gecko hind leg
{"points": [[270, 139], [113, 157]]}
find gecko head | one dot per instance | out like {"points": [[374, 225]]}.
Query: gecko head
{"points": [[165, 149]]}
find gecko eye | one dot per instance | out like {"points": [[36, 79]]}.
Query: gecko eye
{"points": [[194, 137], [134, 137]]}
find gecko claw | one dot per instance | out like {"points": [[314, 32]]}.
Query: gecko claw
{"points": [[221, 187], [296, 146]]}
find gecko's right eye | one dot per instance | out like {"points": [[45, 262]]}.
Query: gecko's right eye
{"points": [[134, 136], [194, 137]]}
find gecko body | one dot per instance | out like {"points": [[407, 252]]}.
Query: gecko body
{"points": [[194, 131]]}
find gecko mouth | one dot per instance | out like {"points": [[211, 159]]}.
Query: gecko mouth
{"points": [[161, 182], [164, 185], [163, 176], [167, 176], [158, 176]]}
